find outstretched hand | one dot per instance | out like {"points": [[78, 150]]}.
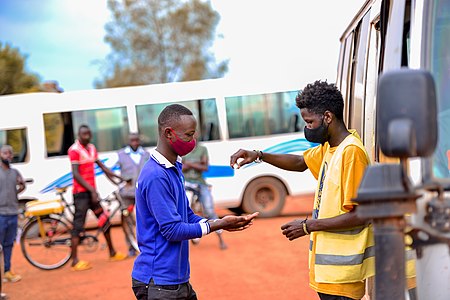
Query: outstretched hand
{"points": [[293, 229], [234, 223], [244, 157]]}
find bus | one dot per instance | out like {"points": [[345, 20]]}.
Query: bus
{"points": [[42, 126], [390, 35]]}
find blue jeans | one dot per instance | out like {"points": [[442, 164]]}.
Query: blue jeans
{"points": [[8, 231], [207, 202]]}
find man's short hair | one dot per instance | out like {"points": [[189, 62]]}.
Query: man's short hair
{"points": [[85, 126], [7, 148], [321, 96], [171, 114]]}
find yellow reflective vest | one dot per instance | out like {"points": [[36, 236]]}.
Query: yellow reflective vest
{"points": [[347, 255]]}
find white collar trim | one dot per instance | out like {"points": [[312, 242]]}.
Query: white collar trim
{"points": [[161, 159], [128, 150]]}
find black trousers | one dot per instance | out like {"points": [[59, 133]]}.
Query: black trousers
{"points": [[83, 202], [150, 291], [332, 297]]}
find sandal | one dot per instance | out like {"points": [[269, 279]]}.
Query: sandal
{"points": [[118, 256], [81, 266]]}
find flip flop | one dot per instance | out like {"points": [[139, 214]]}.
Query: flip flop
{"points": [[81, 266], [118, 256]]}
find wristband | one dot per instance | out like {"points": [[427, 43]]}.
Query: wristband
{"points": [[259, 156], [305, 229]]}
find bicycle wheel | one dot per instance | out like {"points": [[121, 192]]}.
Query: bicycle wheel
{"points": [[47, 249], [129, 229]]}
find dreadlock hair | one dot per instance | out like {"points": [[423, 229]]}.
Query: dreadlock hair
{"points": [[321, 96], [171, 114]]}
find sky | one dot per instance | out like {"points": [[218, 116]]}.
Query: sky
{"points": [[295, 41]]}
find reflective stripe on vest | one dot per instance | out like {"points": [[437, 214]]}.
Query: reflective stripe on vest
{"points": [[356, 259], [410, 262]]}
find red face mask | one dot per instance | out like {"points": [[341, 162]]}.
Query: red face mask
{"points": [[181, 147]]}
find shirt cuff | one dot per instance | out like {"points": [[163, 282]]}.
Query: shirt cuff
{"points": [[205, 226]]}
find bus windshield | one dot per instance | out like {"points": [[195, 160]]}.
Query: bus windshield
{"points": [[439, 61]]}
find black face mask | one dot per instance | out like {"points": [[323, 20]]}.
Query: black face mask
{"points": [[6, 162], [317, 135]]}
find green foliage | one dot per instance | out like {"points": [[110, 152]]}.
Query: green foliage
{"points": [[159, 41], [13, 76]]}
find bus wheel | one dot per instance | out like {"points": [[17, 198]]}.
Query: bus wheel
{"points": [[237, 210], [266, 195]]}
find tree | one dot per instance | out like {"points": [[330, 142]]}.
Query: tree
{"points": [[13, 76], [159, 41]]}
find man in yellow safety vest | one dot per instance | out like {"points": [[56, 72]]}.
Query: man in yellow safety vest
{"points": [[342, 249]]}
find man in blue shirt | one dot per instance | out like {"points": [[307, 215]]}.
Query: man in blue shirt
{"points": [[164, 221]]}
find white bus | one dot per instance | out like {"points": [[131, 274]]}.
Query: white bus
{"points": [[385, 36], [42, 126]]}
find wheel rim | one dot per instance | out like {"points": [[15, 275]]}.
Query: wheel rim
{"points": [[266, 195], [266, 199], [50, 252]]}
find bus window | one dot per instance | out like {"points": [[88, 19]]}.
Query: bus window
{"points": [[357, 91], [147, 118], [406, 39], [205, 111], [264, 114], [370, 90], [109, 129], [17, 139], [348, 56], [54, 134], [209, 120], [340, 61], [439, 61]]}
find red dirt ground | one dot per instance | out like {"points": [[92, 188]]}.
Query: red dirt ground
{"points": [[258, 264]]}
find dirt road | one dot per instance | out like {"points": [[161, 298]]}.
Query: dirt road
{"points": [[258, 264]]}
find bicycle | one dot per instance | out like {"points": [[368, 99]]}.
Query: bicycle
{"points": [[46, 236], [193, 195]]}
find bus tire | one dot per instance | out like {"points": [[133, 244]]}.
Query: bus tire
{"points": [[237, 210], [266, 195]]}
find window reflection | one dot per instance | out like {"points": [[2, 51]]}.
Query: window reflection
{"points": [[264, 114], [109, 129], [440, 68], [17, 139], [205, 111]]}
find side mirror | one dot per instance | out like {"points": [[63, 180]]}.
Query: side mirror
{"points": [[406, 113]]}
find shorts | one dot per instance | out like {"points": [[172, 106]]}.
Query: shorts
{"points": [[83, 202]]}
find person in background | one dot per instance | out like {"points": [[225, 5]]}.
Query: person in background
{"points": [[11, 184], [164, 221], [83, 157], [342, 246], [131, 159], [195, 164]]}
